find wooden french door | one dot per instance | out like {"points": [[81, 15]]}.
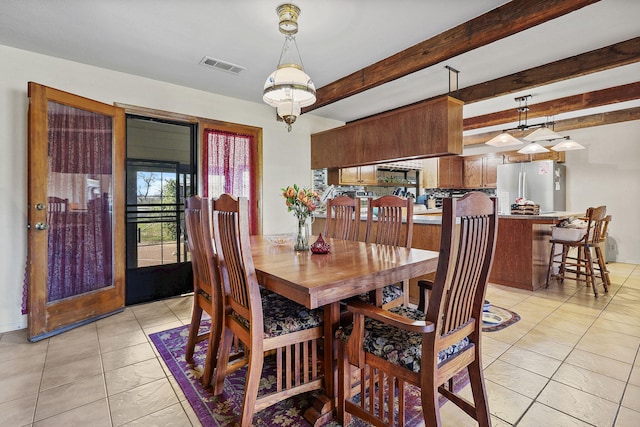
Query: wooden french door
{"points": [[76, 243]]}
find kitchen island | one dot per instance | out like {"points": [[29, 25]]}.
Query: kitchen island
{"points": [[522, 248]]}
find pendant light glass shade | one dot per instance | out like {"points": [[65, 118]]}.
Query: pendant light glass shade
{"points": [[503, 140], [289, 82], [542, 134], [533, 148], [288, 111], [289, 88], [567, 145]]}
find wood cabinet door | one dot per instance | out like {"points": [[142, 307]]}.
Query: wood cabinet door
{"points": [[473, 171], [349, 176], [456, 166], [368, 175], [430, 173], [490, 171]]}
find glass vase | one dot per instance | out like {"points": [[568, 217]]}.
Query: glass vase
{"points": [[302, 237]]}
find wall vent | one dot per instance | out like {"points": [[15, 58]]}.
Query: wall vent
{"points": [[221, 65]]}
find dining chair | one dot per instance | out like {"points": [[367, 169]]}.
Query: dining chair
{"points": [[385, 226], [343, 218], [268, 325], [588, 263], [207, 291], [404, 345]]}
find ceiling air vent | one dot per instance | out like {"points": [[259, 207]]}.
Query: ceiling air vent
{"points": [[221, 65]]}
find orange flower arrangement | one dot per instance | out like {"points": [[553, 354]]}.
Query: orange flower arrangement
{"points": [[301, 201]]}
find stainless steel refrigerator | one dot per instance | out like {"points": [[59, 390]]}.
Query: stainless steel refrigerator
{"points": [[543, 182]]}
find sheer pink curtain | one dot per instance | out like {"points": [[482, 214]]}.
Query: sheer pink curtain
{"points": [[229, 165], [80, 169]]}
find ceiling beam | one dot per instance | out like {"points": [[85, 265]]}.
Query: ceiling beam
{"points": [[591, 120], [616, 55], [598, 98], [504, 21]]}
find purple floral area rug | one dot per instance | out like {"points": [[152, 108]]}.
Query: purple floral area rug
{"points": [[224, 410]]}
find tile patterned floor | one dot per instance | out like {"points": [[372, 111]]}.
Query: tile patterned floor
{"points": [[571, 361]]}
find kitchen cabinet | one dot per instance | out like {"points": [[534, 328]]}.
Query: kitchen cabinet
{"points": [[481, 171], [427, 128], [443, 172], [515, 157], [360, 175]]}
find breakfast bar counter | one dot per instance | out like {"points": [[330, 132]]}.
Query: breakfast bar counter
{"points": [[522, 249]]}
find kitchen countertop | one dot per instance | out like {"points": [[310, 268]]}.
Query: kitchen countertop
{"points": [[556, 215]]}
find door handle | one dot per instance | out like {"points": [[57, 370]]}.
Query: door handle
{"points": [[41, 226]]}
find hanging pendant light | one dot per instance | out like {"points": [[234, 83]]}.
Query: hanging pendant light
{"points": [[533, 148], [289, 88], [567, 145], [542, 134], [504, 139]]}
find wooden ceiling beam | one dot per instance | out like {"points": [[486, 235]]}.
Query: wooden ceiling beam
{"points": [[616, 55], [504, 21], [591, 120], [554, 107]]}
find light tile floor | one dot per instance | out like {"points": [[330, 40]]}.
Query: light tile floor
{"points": [[571, 361]]}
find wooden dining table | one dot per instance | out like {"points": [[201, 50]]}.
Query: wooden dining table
{"points": [[323, 280]]}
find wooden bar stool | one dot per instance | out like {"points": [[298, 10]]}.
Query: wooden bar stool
{"points": [[588, 263]]}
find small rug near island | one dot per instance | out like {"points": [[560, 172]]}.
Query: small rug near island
{"points": [[223, 410], [497, 318]]}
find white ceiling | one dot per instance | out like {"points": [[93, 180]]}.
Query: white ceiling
{"points": [[166, 39]]}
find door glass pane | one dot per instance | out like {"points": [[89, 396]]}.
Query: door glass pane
{"points": [[155, 213], [79, 196]]}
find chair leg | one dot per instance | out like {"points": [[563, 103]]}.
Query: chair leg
{"points": [[254, 372], [212, 356], [430, 405], [563, 263], [344, 385], [604, 272], [591, 275], [222, 364], [196, 316], [550, 266], [479, 394]]}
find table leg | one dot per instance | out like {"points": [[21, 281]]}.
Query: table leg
{"points": [[323, 407]]}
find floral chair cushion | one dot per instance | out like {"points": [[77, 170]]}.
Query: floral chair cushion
{"points": [[396, 345], [389, 293], [283, 316]]}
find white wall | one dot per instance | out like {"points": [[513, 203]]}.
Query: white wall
{"points": [[286, 156], [607, 173]]}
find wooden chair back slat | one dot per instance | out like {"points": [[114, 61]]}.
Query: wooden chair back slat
{"points": [[343, 218], [388, 228]]}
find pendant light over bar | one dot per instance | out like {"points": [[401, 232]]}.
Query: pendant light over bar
{"points": [[543, 133]]}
